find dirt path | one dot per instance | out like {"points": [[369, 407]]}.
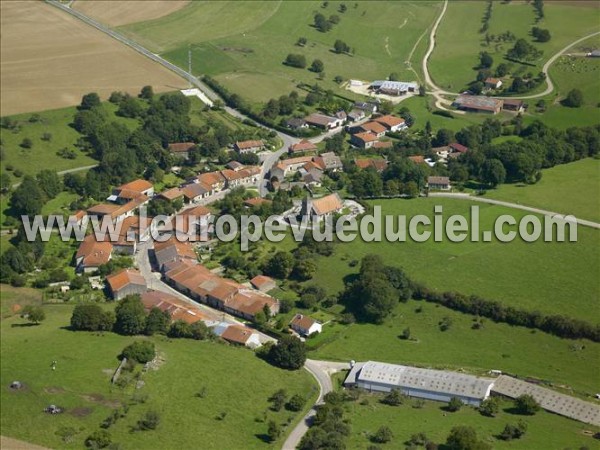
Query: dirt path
{"points": [[7, 443]]}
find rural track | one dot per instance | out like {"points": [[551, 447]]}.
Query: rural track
{"points": [[437, 91], [63, 172], [321, 371], [545, 212]]}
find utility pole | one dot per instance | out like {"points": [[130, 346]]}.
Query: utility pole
{"points": [[190, 64]]}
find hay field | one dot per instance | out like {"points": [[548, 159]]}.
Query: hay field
{"points": [[50, 59], [123, 12]]}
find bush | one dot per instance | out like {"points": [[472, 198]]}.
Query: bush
{"points": [[91, 317], [140, 351], [98, 439], [574, 99], [33, 313], [454, 404], [393, 398], [295, 60], [383, 435], [295, 403], [526, 404], [148, 421]]}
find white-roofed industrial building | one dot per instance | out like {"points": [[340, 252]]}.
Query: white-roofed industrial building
{"points": [[550, 400], [422, 383]]}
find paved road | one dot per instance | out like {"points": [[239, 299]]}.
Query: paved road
{"points": [[438, 91], [321, 371], [586, 223]]}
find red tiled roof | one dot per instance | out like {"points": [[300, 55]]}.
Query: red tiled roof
{"points": [[417, 159], [327, 204], [256, 201], [249, 144], [260, 281], [303, 322], [237, 334], [303, 146], [458, 147], [389, 120], [94, 253], [171, 194], [374, 127], [383, 144], [181, 147], [119, 280], [136, 185], [366, 136]]}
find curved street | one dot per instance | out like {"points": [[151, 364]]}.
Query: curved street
{"points": [[437, 91], [321, 371]]}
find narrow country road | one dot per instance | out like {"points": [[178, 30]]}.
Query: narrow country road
{"points": [[586, 223], [437, 91], [321, 371]]}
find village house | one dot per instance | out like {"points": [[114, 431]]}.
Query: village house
{"points": [[196, 192], [234, 165], [370, 127], [305, 326], [91, 254], [171, 195], [368, 108], [417, 159], [438, 183], [78, 217], [192, 224], [181, 149], [131, 191], [133, 229], [320, 208], [356, 115], [126, 282], [117, 212], [237, 334], [492, 83], [478, 103], [249, 175], [325, 122], [173, 250], [329, 161], [176, 309], [214, 181], [455, 147], [287, 166], [304, 146], [251, 146], [363, 140], [255, 202], [378, 164], [392, 123], [382, 145], [296, 123], [263, 283]]}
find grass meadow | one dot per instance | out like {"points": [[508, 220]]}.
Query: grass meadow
{"points": [[457, 49], [248, 57], [568, 189], [236, 382], [554, 278], [544, 430]]}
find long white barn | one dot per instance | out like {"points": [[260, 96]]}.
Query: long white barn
{"points": [[416, 382]]}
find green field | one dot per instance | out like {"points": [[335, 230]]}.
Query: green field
{"points": [[247, 58], [457, 47], [544, 430], [517, 273], [237, 383], [515, 350], [569, 189], [42, 155]]}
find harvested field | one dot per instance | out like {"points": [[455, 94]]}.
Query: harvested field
{"points": [[14, 444], [123, 12], [50, 59]]}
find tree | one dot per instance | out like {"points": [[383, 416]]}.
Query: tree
{"points": [[490, 407], [295, 403], [321, 23], [147, 93], [26, 143], [405, 334], [28, 198], [49, 182], [574, 99], [295, 60], [288, 353], [89, 101], [180, 329], [485, 60], [157, 322], [98, 439], [454, 404], [493, 172], [527, 405], [383, 435], [540, 34], [5, 182], [278, 400], [280, 265], [149, 421], [91, 317], [274, 431], [33, 313], [334, 19], [502, 70], [200, 331], [140, 351], [303, 270], [464, 438], [317, 66], [340, 46], [422, 90], [343, 8], [513, 431], [393, 398], [301, 42], [130, 316]]}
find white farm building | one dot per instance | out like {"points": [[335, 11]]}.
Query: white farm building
{"points": [[416, 382]]}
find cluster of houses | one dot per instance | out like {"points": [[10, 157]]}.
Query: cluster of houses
{"points": [[489, 105], [311, 168], [367, 135]]}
